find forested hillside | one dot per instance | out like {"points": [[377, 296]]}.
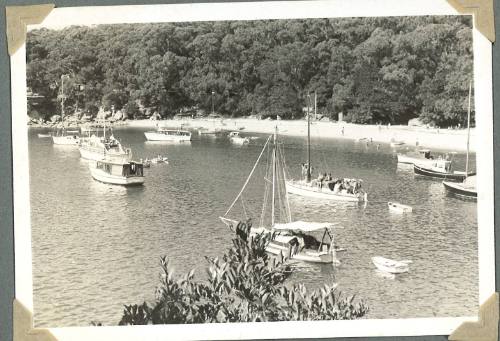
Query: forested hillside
{"points": [[372, 70]]}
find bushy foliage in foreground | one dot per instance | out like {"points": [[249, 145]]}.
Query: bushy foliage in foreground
{"points": [[244, 285]]}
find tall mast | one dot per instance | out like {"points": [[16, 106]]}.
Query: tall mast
{"points": [[308, 139], [468, 130], [62, 100], [274, 177]]}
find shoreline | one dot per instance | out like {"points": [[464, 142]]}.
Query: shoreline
{"points": [[446, 139], [443, 139]]}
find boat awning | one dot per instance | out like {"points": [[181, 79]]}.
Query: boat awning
{"points": [[303, 226]]}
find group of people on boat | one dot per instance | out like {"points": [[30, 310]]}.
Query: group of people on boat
{"points": [[337, 185]]}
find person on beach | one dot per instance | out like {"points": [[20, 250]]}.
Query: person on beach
{"points": [[342, 131]]}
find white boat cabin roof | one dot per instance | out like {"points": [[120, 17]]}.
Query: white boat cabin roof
{"points": [[304, 226]]}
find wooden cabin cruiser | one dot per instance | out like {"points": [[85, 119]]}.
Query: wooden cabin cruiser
{"points": [[441, 169], [295, 241], [117, 173], [236, 138], [420, 157], [466, 189], [163, 134], [97, 148]]}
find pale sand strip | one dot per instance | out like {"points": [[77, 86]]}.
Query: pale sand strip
{"points": [[445, 139]]}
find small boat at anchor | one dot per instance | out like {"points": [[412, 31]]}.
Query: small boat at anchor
{"points": [[236, 138], [419, 157], [98, 148], [173, 135], [44, 135], [399, 208], [117, 173], [391, 266]]}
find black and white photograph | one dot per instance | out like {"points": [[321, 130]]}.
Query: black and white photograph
{"points": [[226, 171]]}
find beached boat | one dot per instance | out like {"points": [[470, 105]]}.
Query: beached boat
{"points": [[324, 187], [163, 134], [391, 266], [292, 239], [399, 208], [395, 143], [99, 148], [419, 157], [236, 138], [117, 173]]}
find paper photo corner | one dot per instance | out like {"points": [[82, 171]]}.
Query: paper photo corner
{"points": [[485, 329]]}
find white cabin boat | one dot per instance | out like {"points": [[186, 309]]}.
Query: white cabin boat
{"points": [[420, 157], [291, 239], [391, 266], [236, 138], [399, 208], [63, 139], [117, 173], [99, 148], [163, 134]]}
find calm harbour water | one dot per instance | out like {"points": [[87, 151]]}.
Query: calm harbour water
{"points": [[97, 247]]}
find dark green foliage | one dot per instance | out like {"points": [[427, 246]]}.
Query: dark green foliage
{"points": [[373, 70], [245, 285]]}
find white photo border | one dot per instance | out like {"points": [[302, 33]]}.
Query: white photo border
{"points": [[61, 17]]}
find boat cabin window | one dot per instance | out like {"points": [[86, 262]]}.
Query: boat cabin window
{"points": [[104, 166]]}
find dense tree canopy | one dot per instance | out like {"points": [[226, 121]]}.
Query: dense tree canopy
{"points": [[370, 69]]}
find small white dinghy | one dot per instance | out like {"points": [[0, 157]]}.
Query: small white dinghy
{"points": [[399, 208], [391, 266]]}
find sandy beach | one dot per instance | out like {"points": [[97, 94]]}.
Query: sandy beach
{"points": [[443, 139]]}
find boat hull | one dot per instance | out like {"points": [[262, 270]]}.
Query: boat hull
{"points": [[72, 140], [389, 266], [304, 256], [153, 136], [297, 188], [399, 208], [459, 190], [104, 177], [457, 177], [239, 141], [96, 154]]}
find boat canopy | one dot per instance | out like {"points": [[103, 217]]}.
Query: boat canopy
{"points": [[303, 226]]}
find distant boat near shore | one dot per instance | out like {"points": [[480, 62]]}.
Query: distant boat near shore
{"points": [[163, 134]]}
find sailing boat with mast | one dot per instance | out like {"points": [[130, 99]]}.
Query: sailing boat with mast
{"points": [[63, 138], [292, 239], [325, 188], [466, 189]]}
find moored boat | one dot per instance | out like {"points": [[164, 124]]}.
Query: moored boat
{"points": [[163, 134], [391, 266], [64, 139], [466, 189], [44, 135], [117, 173], [399, 208], [97, 148], [420, 157], [325, 187], [236, 138], [290, 239], [440, 169]]}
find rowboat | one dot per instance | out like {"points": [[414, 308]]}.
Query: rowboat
{"points": [[117, 173], [391, 266], [399, 208]]}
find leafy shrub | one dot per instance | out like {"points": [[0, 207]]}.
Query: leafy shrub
{"points": [[244, 285]]}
